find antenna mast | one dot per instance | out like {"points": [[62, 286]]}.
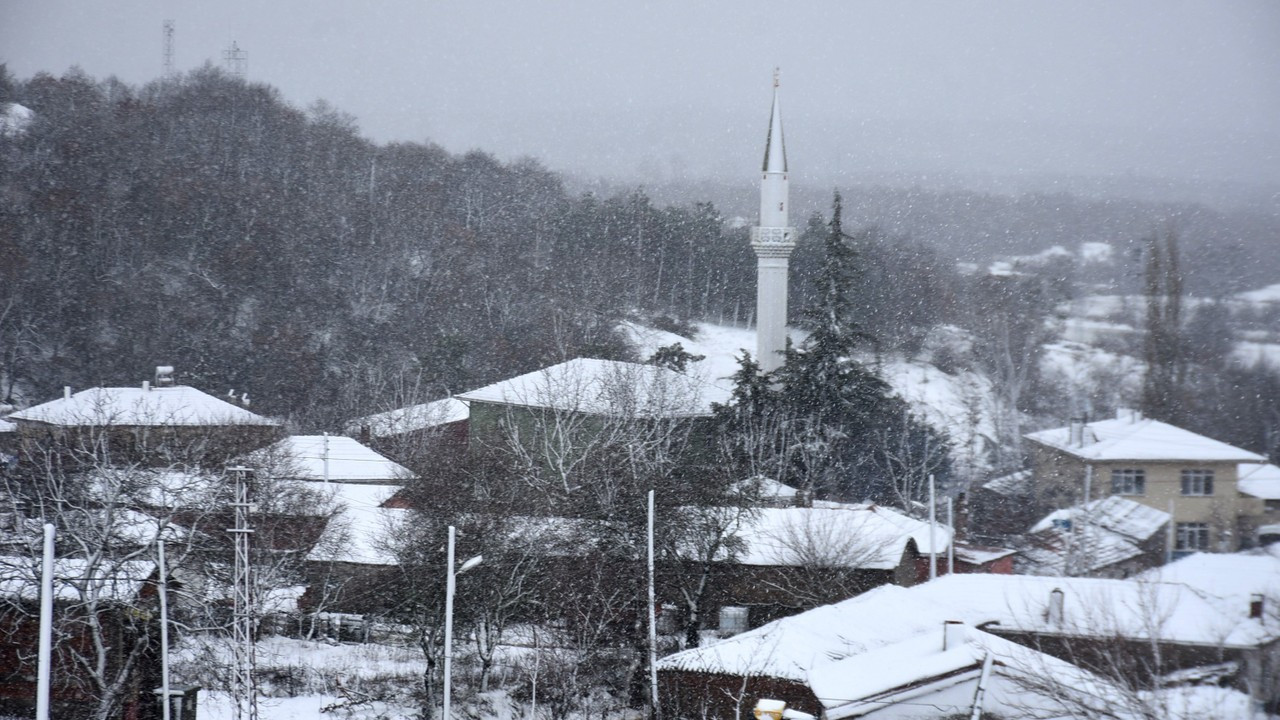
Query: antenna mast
{"points": [[168, 48], [244, 689], [236, 60]]}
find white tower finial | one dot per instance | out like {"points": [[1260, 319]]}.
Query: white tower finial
{"points": [[773, 240]]}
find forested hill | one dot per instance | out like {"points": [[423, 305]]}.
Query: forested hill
{"points": [[205, 223]]}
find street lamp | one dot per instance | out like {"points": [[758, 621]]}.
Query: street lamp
{"points": [[449, 588]]}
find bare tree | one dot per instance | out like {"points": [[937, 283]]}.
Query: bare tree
{"points": [[824, 554]]}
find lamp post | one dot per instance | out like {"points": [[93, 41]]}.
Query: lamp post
{"points": [[450, 586]]}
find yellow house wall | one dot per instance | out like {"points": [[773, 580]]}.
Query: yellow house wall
{"points": [[1059, 480]]}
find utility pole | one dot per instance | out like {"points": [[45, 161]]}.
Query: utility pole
{"points": [[44, 671], [450, 589], [933, 533], [243, 688], [653, 622]]}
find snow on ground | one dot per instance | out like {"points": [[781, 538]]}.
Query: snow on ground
{"points": [[1206, 702], [1084, 330], [1088, 369], [1100, 307], [1249, 353], [1096, 252], [1268, 294]]}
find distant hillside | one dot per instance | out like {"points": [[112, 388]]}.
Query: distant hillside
{"points": [[1226, 250]]}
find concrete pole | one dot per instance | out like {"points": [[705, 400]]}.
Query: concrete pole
{"points": [[45, 666], [933, 533], [448, 630], [653, 621], [164, 632], [951, 546]]}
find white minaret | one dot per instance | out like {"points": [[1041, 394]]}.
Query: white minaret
{"points": [[773, 241]]}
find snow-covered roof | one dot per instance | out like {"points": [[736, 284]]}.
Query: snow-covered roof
{"points": [[790, 647], [980, 554], [357, 533], [1015, 483], [1068, 551], [414, 417], [859, 685], [606, 387], [1116, 514], [1133, 439], [1230, 578], [20, 577], [165, 406], [863, 536], [767, 488], [306, 456], [1261, 480], [6, 426]]}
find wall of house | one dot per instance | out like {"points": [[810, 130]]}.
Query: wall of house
{"points": [[697, 696], [1059, 478]]}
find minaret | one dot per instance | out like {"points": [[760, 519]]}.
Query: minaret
{"points": [[773, 240]]}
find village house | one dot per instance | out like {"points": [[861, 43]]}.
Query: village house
{"points": [[156, 423], [103, 613], [1108, 537], [956, 669], [1192, 477], [1095, 623], [411, 435]]}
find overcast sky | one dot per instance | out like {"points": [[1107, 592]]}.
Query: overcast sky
{"points": [[650, 90]]}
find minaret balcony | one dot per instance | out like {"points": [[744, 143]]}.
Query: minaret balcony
{"points": [[773, 236]]}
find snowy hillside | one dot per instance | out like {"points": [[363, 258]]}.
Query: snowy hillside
{"points": [[960, 405]]}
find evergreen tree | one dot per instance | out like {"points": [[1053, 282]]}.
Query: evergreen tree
{"points": [[827, 417]]}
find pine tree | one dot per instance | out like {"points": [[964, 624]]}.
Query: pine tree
{"points": [[826, 413]]}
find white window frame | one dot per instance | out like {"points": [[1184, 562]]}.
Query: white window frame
{"points": [[1191, 537], [1128, 481], [1197, 482], [734, 619]]}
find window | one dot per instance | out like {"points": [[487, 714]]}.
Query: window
{"points": [[733, 620], [1197, 482], [1128, 481], [1192, 536]]}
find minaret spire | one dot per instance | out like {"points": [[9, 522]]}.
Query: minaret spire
{"points": [[773, 240]]}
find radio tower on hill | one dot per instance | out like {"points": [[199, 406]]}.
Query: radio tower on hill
{"points": [[168, 48], [236, 60]]}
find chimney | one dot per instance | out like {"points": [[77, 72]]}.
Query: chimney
{"points": [[146, 386], [1124, 413], [66, 392], [1255, 606], [164, 376], [1056, 607], [1076, 432], [953, 634]]}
